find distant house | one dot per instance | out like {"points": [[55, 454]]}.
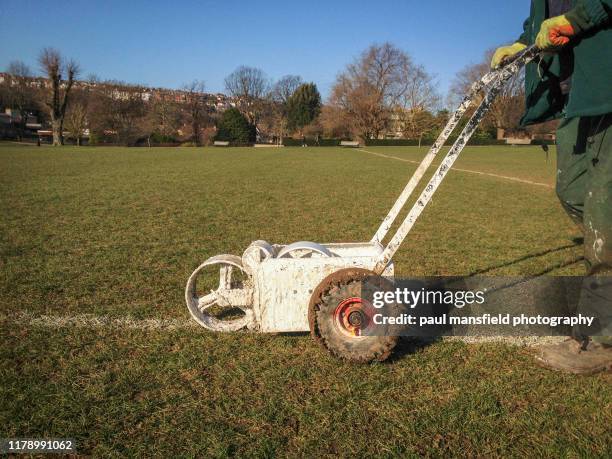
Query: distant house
{"points": [[11, 120], [523, 137]]}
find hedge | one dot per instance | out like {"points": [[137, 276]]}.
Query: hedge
{"points": [[311, 142], [427, 142], [395, 142], [543, 142]]}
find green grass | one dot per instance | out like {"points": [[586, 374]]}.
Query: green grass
{"points": [[116, 232]]}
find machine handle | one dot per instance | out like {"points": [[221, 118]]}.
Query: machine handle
{"points": [[531, 51], [501, 77], [485, 81]]}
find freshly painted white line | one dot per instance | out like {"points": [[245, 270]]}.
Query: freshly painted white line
{"points": [[95, 321], [130, 323], [469, 171]]}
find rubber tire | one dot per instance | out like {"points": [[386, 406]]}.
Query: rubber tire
{"points": [[336, 287]]}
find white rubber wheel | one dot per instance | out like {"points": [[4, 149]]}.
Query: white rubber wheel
{"points": [[231, 293], [304, 249]]}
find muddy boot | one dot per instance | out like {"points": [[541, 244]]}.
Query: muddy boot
{"points": [[572, 356]]}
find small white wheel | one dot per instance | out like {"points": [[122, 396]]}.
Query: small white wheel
{"points": [[234, 291], [304, 249], [255, 253]]}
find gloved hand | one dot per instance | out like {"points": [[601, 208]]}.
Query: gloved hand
{"points": [[555, 33], [504, 52]]}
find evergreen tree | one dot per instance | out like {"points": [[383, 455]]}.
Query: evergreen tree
{"points": [[303, 106], [234, 127]]}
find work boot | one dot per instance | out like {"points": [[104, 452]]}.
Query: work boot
{"points": [[572, 356]]}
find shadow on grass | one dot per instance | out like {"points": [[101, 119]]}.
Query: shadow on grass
{"points": [[576, 243], [409, 345]]}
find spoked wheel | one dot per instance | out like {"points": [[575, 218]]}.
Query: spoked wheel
{"points": [[233, 293], [340, 318], [304, 249]]}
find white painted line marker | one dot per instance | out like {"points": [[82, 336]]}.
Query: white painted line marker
{"points": [[505, 177], [130, 323], [94, 321]]}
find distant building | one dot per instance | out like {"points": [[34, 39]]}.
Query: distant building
{"points": [[121, 91], [523, 137]]}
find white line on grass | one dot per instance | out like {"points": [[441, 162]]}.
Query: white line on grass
{"points": [[131, 323], [95, 321], [505, 177]]}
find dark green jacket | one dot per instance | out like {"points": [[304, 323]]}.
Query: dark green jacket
{"points": [[588, 61]]}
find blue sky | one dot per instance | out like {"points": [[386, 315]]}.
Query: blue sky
{"points": [[169, 43]]}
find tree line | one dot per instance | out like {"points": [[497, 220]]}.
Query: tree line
{"points": [[381, 93]]}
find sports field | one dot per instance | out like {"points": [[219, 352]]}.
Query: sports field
{"points": [[96, 245]]}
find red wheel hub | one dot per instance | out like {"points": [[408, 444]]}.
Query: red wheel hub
{"points": [[352, 316]]}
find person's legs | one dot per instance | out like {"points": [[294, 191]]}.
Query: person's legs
{"points": [[572, 168], [596, 294], [584, 187]]}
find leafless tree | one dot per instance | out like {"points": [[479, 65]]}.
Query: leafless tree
{"points": [[118, 112], [272, 123], [196, 108], [76, 120], [284, 88], [362, 104], [93, 79], [335, 123], [417, 104], [249, 86], [53, 65], [99, 104], [273, 111], [247, 82], [382, 79], [165, 117], [127, 118], [416, 123], [19, 69]]}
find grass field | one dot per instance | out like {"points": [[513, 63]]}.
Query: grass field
{"points": [[111, 235]]}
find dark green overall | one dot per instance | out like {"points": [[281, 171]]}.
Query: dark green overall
{"points": [[576, 86]]}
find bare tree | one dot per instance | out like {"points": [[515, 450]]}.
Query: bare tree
{"points": [[20, 93], [273, 120], [362, 104], [99, 104], [19, 69], [417, 123], [284, 88], [76, 121], [371, 88], [249, 86], [117, 111], [53, 65], [335, 122], [417, 104], [274, 116], [127, 117], [165, 117], [196, 108]]}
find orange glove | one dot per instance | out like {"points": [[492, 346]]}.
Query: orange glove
{"points": [[555, 33]]}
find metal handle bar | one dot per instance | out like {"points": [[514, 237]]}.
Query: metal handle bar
{"points": [[484, 81], [499, 79]]}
